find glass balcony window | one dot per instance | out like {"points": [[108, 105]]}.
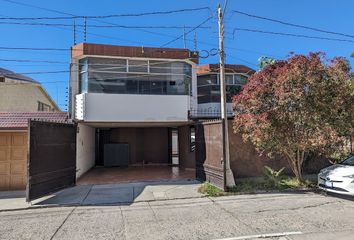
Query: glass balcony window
{"points": [[121, 76]]}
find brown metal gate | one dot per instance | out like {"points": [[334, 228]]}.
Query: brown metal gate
{"points": [[209, 164], [52, 158]]}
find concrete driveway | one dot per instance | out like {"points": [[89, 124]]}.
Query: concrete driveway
{"points": [[107, 194]]}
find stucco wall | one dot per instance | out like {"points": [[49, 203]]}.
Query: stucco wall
{"points": [[101, 107], [21, 97], [85, 149]]}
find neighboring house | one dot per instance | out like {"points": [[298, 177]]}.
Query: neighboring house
{"points": [[14, 146], [209, 88], [131, 101], [19, 93]]}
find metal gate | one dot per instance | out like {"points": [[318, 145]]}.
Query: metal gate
{"points": [[51, 158]]}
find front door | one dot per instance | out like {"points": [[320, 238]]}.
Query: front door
{"points": [[51, 158]]}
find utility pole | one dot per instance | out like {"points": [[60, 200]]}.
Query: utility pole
{"points": [[229, 180]]}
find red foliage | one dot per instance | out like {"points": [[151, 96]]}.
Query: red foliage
{"points": [[296, 106]]}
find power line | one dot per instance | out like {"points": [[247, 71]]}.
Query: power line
{"points": [[111, 24], [35, 73], [293, 24], [97, 16], [191, 30], [31, 61], [292, 35], [35, 49], [97, 26]]}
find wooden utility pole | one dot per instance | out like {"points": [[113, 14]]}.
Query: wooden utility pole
{"points": [[229, 180]]}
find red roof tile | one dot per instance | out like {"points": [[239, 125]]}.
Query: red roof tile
{"points": [[19, 120]]}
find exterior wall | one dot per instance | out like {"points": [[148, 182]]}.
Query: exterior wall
{"points": [[82, 49], [85, 149], [209, 153], [73, 86], [97, 107], [186, 156], [245, 161], [146, 145], [194, 98], [22, 97]]}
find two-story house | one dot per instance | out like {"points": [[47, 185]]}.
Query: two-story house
{"points": [[208, 88], [21, 98], [132, 105], [19, 93]]}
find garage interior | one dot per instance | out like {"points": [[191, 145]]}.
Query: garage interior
{"points": [[130, 154]]}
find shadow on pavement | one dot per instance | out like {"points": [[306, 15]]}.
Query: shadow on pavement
{"points": [[344, 197], [12, 194], [122, 193]]}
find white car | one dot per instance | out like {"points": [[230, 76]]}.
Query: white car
{"points": [[338, 178]]}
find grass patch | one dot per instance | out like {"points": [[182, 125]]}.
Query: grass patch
{"points": [[210, 190], [286, 183], [254, 186], [292, 183]]}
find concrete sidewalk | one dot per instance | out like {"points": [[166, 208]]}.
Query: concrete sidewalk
{"points": [[106, 194]]}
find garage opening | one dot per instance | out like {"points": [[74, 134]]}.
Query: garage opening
{"points": [[132, 154]]}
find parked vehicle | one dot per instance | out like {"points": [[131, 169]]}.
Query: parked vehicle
{"points": [[338, 178]]}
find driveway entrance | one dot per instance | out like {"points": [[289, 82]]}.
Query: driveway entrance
{"points": [[123, 193], [102, 175]]}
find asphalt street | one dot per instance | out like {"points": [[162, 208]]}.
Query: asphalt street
{"points": [[275, 216]]}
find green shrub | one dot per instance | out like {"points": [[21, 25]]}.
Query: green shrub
{"points": [[210, 190], [272, 177]]}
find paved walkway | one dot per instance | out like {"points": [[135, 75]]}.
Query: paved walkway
{"points": [[107, 194]]}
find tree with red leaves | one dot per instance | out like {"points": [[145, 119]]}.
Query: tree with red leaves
{"points": [[297, 106]]}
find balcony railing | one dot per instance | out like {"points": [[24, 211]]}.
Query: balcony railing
{"points": [[208, 113]]}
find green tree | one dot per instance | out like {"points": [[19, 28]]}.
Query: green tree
{"points": [[264, 61], [297, 106]]}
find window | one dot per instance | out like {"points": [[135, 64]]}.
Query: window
{"points": [[106, 65], [2, 79], [121, 76], [138, 66], [349, 161], [42, 107], [192, 138], [240, 79], [207, 80], [229, 79]]}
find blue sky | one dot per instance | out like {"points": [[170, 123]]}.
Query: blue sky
{"points": [[243, 48]]}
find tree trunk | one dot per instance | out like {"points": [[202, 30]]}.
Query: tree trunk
{"points": [[296, 160]]}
